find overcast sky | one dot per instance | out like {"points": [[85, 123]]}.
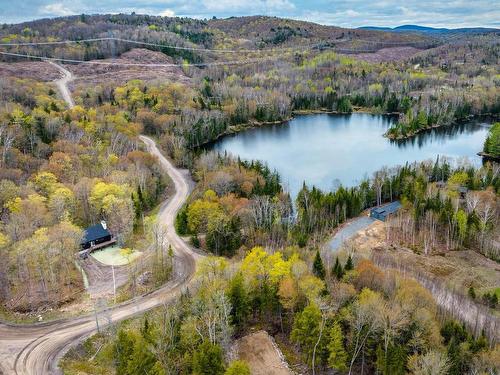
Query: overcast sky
{"points": [[346, 13]]}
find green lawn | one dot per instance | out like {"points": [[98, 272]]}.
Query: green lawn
{"points": [[115, 256]]}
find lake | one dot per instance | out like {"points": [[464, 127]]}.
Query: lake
{"points": [[327, 149]]}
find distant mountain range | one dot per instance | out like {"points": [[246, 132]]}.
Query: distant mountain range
{"points": [[425, 29]]}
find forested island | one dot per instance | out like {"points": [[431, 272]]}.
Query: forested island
{"points": [[243, 255]]}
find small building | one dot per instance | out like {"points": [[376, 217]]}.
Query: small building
{"points": [[96, 237], [384, 211]]}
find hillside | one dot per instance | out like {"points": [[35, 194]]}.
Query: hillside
{"points": [[238, 32]]}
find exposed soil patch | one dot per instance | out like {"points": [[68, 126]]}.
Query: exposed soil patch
{"points": [[88, 74], [92, 74], [38, 70], [262, 355], [388, 54], [101, 277]]}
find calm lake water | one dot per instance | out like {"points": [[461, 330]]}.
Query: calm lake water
{"points": [[325, 149]]}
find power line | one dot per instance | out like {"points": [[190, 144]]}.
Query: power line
{"points": [[96, 62], [198, 49], [52, 43]]}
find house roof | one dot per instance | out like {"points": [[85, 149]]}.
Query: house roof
{"points": [[95, 232], [387, 209]]}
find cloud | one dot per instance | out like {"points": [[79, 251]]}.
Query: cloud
{"points": [[355, 13], [56, 9], [167, 13], [250, 7]]}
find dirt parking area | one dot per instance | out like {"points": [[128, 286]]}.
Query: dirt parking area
{"points": [[262, 355]]}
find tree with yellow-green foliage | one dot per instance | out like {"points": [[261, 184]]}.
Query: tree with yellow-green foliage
{"points": [[306, 332], [337, 358], [202, 211], [238, 368]]}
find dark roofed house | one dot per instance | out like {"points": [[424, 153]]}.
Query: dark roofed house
{"points": [[384, 211], [97, 236]]}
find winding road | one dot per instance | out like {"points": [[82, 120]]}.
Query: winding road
{"points": [[62, 83], [37, 348]]}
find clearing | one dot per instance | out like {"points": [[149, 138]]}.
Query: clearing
{"points": [[262, 355]]}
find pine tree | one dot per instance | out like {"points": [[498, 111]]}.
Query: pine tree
{"points": [[318, 267], [142, 359], [122, 351], [349, 266], [338, 271], [306, 331], [393, 362], [208, 360], [239, 301], [337, 358]]}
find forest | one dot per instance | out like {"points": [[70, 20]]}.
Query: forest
{"points": [[352, 319], [63, 169]]}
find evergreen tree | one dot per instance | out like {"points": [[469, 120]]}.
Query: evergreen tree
{"points": [[142, 360], [349, 266], [338, 271], [457, 358], [207, 360], [306, 331], [181, 221], [318, 267], [122, 351], [337, 358], [393, 362], [239, 301]]}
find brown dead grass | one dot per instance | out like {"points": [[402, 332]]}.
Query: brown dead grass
{"points": [[88, 74], [262, 355], [388, 54], [37, 70], [92, 74]]}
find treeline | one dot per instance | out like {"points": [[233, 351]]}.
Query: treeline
{"points": [[361, 320]]}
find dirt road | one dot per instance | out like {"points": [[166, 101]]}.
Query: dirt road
{"points": [[62, 84], [36, 349]]}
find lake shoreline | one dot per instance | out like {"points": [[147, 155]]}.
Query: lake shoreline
{"points": [[435, 126], [327, 150], [235, 129]]}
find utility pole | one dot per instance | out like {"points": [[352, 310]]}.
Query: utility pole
{"points": [[96, 317], [114, 282]]}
